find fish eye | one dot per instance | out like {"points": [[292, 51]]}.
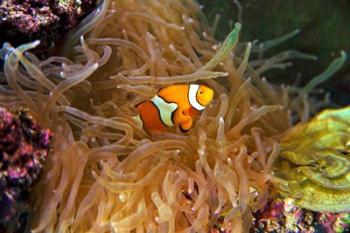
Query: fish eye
{"points": [[200, 92]]}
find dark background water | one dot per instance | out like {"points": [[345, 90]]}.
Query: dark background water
{"points": [[325, 31]]}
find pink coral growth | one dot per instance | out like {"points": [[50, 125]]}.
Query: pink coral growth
{"points": [[23, 148], [281, 215], [24, 145]]}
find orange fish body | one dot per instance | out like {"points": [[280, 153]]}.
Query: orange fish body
{"points": [[174, 105]]}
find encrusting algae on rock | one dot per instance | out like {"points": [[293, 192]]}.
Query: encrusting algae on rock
{"points": [[106, 173], [24, 146], [282, 215], [28, 20]]}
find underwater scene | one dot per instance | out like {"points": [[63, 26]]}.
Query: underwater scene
{"points": [[190, 116]]}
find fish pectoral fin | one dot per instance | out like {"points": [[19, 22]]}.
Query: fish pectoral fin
{"points": [[186, 124], [138, 121]]}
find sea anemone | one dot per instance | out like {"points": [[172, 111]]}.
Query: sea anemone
{"points": [[105, 173]]}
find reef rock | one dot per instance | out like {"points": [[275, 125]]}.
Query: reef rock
{"points": [[24, 146], [23, 21]]}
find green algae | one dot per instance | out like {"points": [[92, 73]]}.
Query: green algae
{"points": [[315, 162]]}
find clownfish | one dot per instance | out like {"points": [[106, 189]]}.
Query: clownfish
{"points": [[176, 105]]}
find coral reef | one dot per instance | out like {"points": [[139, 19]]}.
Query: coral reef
{"points": [[24, 146], [27, 20], [282, 215]]}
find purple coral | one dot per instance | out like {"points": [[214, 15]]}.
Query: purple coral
{"points": [[23, 21], [24, 146], [281, 215]]}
